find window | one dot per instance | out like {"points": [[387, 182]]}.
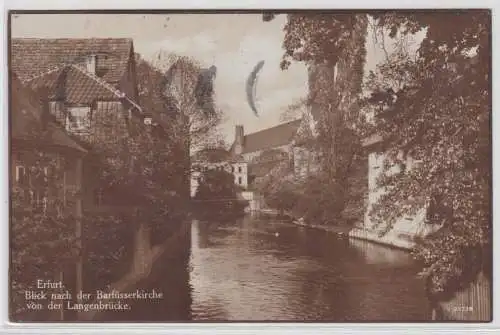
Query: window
{"points": [[21, 175], [239, 180], [56, 109], [78, 119], [34, 193], [239, 170], [232, 169], [39, 199]]}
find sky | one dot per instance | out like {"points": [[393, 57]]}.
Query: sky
{"points": [[234, 43]]}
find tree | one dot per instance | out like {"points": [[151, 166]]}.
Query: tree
{"points": [[42, 229], [197, 112], [435, 108], [333, 48], [216, 194], [294, 111]]}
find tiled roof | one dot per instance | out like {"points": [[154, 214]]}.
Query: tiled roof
{"points": [[33, 56], [75, 85], [212, 155], [26, 119], [72, 85], [277, 136]]}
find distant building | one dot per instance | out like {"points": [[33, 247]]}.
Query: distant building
{"points": [[264, 149], [217, 159]]}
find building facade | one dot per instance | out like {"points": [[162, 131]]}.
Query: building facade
{"points": [[91, 88], [32, 132], [264, 149], [87, 81], [406, 228], [46, 167]]}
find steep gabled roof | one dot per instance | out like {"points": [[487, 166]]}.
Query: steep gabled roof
{"points": [[75, 85], [32, 56], [26, 114], [277, 136], [69, 83]]}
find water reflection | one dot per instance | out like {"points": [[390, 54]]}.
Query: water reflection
{"points": [[259, 270]]}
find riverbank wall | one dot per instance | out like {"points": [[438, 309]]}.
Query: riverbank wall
{"points": [[163, 267], [399, 239]]}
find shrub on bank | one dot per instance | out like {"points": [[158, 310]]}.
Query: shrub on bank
{"points": [[217, 197], [108, 243]]}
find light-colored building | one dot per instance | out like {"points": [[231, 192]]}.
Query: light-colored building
{"points": [[218, 159], [407, 227]]}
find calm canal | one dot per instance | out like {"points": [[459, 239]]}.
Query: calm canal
{"points": [[258, 270], [254, 269]]}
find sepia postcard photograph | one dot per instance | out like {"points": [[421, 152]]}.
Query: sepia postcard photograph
{"points": [[250, 166]]}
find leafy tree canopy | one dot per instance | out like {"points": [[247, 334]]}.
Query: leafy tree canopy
{"points": [[436, 109]]}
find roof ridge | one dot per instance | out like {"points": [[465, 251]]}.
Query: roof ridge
{"points": [[117, 92], [110, 87], [273, 127], [34, 56], [54, 69], [105, 84]]}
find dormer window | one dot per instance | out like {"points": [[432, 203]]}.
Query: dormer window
{"points": [[78, 119]]}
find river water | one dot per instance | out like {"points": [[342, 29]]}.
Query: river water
{"points": [[261, 270]]}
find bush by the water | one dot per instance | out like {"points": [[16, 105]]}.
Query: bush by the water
{"points": [[217, 197]]}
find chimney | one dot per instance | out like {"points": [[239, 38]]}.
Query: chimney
{"points": [[239, 134], [92, 63]]}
